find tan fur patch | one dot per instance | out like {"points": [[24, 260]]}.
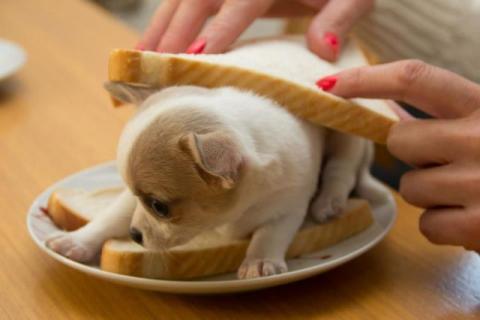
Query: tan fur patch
{"points": [[158, 167]]}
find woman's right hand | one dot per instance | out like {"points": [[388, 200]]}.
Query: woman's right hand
{"points": [[444, 152], [181, 25]]}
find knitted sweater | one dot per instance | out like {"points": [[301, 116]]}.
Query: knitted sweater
{"points": [[441, 32]]}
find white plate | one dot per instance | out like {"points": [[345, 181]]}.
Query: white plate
{"points": [[39, 225], [12, 58]]}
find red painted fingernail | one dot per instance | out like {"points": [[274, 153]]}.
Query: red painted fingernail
{"points": [[197, 46], [333, 41], [327, 83], [140, 47]]}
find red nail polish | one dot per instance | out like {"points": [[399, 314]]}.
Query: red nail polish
{"points": [[327, 83], [140, 47], [197, 46], [332, 40]]}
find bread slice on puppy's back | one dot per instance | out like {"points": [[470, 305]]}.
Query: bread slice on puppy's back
{"points": [[282, 69]]}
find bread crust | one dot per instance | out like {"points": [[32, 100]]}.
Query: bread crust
{"points": [[62, 215], [319, 108], [183, 264], [123, 256]]}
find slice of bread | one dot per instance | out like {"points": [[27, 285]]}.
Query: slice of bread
{"points": [[72, 208], [282, 69], [211, 254], [208, 254]]}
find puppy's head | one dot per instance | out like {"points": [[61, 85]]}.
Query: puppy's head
{"points": [[185, 169]]}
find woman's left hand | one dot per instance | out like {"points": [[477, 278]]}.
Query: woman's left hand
{"points": [[181, 25], [445, 152]]}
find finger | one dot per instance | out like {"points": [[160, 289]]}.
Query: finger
{"points": [[330, 26], [438, 92], [433, 187], [158, 25], [455, 226], [421, 143], [232, 19], [185, 25]]}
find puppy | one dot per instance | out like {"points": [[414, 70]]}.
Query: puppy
{"points": [[197, 159]]}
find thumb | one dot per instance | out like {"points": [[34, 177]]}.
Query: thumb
{"points": [[329, 28]]}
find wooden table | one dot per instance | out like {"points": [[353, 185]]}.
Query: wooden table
{"points": [[55, 119]]}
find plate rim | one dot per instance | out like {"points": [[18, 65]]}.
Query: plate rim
{"points": [[195, 286], [18, 64]]}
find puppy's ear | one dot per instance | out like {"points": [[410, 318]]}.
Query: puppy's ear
{"points": [[129, 93], [216, 155]]}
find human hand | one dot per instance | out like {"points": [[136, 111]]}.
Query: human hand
{"points": [[180, 25], [445, 152]]}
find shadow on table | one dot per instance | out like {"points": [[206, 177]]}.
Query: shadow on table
{"points": [[8, 88]]}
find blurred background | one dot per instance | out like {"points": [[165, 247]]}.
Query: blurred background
{"points": [[137, 14]]}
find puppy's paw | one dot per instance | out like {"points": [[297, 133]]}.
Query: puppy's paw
{"points": [[71, 246], [325, 208], [254, 268]]}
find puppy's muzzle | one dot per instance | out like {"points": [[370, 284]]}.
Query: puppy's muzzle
{"points": [[136, 235]]}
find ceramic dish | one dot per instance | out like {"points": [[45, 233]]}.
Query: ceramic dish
{"points": [[12, 58], [39, 226]]}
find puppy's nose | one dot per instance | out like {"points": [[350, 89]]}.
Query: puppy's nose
{"points": [[136, 235]]}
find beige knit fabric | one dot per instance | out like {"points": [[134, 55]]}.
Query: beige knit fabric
{"points": [[442, 32]]}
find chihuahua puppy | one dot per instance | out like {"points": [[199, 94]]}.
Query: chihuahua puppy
{"points": [[197, 159]]}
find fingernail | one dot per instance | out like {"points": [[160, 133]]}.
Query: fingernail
{"points": [[197, 46], [140, 47], [333, 42], [327, 83]]}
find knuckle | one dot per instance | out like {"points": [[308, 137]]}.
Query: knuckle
{"points": [[392, 139], [427, 228], [471, 100], [395, 139], [473, 232], [476, 114], [468, 186], [470, 229], [409, 71], [468, 137], [406, 188], [474, 221], [220, 32]]}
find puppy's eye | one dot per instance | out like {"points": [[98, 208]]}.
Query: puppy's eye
{"points": [[160, 208]]}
